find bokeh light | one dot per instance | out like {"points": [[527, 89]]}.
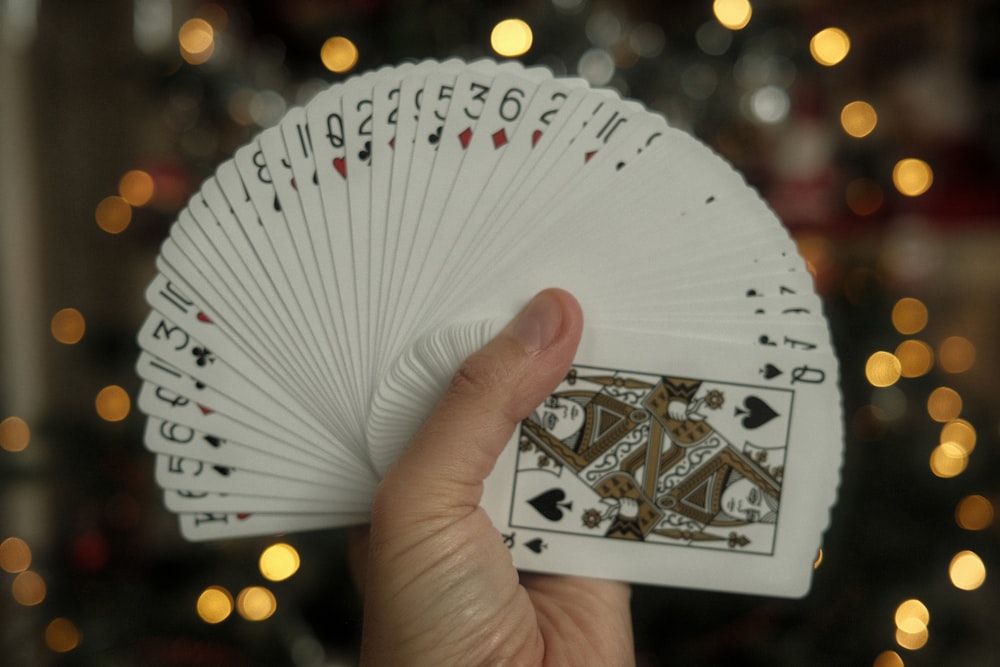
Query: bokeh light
{"points": [[569, 6], [916, 358], [113, 214], [196, 38], [279, 561], [829, 46], [888, 659], [15, 555], [967, 571], [974, 513], [912, 641], [113, 403], [15, 434], [215, 604], [948, 460], [732, 14], [597, 66], [961, 433], [214, 13], [68, 326], [136, 187], [339, 54], [511, 38], [28, 588], [647, 40], [770, 104], [882, 369], [909, 315], [912, 616], [864, 196], [713, 39], [956, 354], [858, 118], [912, 177], [944, 404], [62, 635], [604, 28], [267, 107], [892, 402], [256, 603]]}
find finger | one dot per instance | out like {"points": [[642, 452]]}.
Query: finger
{"points": [[494, 389]]}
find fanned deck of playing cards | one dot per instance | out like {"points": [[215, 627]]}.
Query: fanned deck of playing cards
{"points": [[316, 295]]}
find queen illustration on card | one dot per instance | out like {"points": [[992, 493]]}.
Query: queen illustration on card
{"points": [[660, 459]]}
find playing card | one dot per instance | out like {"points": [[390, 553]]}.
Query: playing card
{"points": [[315, 297], [653, 464]]}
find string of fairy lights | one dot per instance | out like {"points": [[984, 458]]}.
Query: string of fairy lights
{"points": [[200, 38], [913, 358]]}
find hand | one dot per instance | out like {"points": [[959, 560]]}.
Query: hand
{"points": [[677, 410], [439, 585]]}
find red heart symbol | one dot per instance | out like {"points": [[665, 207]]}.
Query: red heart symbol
{"points": [[204, 410], [202, 317], [535, 136], [243, 516], [340, 164]]}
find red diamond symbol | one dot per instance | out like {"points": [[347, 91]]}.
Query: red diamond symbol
{"points": [[590, 154], [465, 137], [392, 142], [499, 138], [204, 410]]}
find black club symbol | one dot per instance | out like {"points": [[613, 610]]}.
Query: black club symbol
{"points": [[204, 356]]}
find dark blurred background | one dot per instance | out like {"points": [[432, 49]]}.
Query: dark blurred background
{"points": [[874, 142]]}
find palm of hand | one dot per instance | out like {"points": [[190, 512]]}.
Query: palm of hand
{"points": [[455, 572]]}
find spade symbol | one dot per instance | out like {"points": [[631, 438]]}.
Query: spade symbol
{"points": [[757, 412], [770, 371], [550, 504], [214, 440], [536, 545], [222, 470]]}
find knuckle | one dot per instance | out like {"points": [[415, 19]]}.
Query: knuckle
{"points": [[480, 374]]}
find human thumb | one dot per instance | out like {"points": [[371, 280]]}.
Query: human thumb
{"points": [[443, 468]]}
